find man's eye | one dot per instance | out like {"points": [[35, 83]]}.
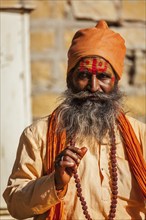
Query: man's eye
{"points": [[83, 75], [103, 76]]}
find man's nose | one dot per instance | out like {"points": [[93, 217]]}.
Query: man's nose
{"points": [[94, 84]]}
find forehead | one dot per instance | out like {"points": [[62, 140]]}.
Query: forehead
{"points": [[94, 65]]}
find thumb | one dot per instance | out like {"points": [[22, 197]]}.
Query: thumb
{"points": [[83, 151]]}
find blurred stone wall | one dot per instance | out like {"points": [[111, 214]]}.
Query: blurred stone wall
{"points": [[53, 24]]}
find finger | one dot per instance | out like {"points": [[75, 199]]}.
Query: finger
{"points": [[70, 154], [68, 164], [79, 151], [83, 150], [65, 164], [74, 160], [75, 150]]}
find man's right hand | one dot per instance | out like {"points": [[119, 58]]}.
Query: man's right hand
{"points": [[66, 163]]}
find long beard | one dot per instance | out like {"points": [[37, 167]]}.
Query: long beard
{"points": [[88, 114]]}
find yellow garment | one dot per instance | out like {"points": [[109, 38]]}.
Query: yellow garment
{"points": [[31, 192]]}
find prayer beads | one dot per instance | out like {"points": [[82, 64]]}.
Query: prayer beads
{"points": [[114, 180]]}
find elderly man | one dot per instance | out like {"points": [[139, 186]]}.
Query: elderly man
{"points": [[85, 160]]}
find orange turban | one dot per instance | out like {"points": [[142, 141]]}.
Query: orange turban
{"points": [[98, 41]]}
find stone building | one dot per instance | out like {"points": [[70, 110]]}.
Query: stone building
{"points": [[38, 72]]}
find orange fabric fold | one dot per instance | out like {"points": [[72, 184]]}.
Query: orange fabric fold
{"points": [[57, 142], [134, 152]]}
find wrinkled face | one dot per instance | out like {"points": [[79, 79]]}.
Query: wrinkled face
{"points": [[93, 74]]}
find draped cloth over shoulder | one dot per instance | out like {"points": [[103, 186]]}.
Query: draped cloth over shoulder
{"points": [[56, 143], [134, 152]]}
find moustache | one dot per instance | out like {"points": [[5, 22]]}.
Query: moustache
{"points": [[86, 95]]}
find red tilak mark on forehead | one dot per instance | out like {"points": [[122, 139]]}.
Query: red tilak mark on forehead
{"points": [[93, 66], [87, 62], [102, 66], [94, 69], [81, 66]]}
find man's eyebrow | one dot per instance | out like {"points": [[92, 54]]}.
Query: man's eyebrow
{"points": [[104, 72], [109, 73], [82, 69]]}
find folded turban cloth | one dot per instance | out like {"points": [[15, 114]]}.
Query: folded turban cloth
{"points": [[98, 41]]}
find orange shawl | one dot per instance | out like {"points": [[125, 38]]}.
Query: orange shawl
{"points": [[56, 143]]}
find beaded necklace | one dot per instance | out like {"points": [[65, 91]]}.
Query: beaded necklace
{"points": [[114, 180]]}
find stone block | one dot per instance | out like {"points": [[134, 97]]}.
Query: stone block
{"points": [[68, 35], [9, 4], [138, 64], [128, 33], [133, 10], [63, 70], [49, 9], [136, 105], [41, 41], [140, 77], [95, 10], [124, 82], [134, 36], [138, 67], [58, 80], [44, 104], [16, 4], [41, 71], [58, 9]]}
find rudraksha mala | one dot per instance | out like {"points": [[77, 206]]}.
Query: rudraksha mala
{"points": [[114, 175], [114, 180]]}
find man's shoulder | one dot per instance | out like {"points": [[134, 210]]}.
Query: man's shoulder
{"points": [[140, 131], [135, 122], [38, 127], [138, 127]]}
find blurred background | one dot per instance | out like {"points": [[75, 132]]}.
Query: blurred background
{"points": [[35, 37]]}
